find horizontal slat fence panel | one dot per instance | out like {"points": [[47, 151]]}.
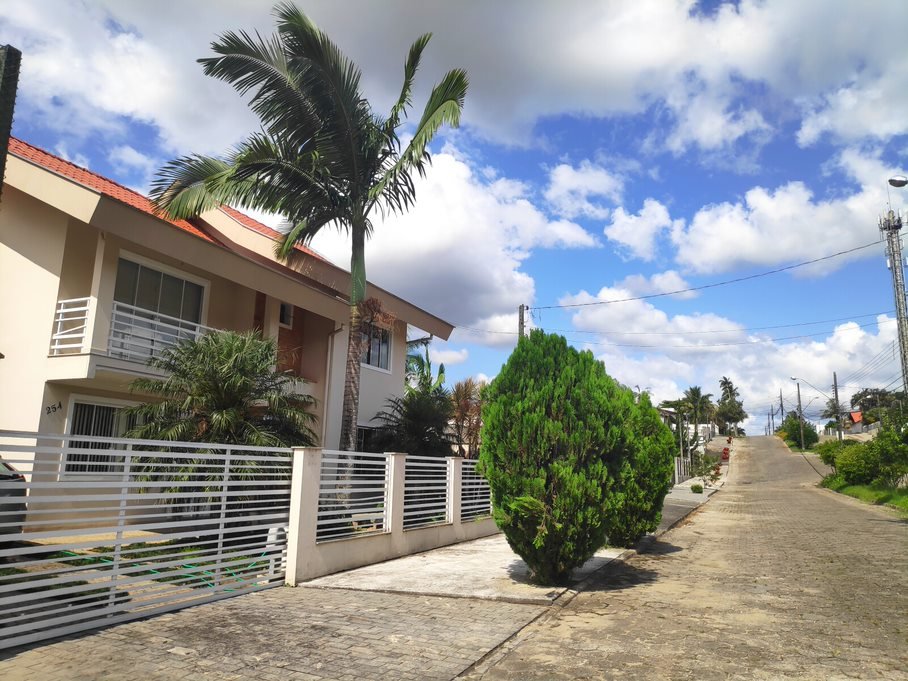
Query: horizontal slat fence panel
{"points": [[425, 491], [353, 492], [476, 498], [152, 527]]}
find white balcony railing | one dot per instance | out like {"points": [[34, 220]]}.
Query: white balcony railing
{"points": [[137, 334], [70, 326]]}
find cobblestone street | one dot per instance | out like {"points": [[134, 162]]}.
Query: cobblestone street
{"points": [[772, 579]]}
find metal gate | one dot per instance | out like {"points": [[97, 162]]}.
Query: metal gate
{"points": [[97, 531]]}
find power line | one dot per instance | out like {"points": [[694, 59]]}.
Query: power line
{"points": [[706, 286]]}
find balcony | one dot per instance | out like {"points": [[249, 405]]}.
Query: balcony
{"points": [[135, 334]]}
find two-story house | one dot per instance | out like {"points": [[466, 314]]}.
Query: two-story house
{"points": [[93, 282]]}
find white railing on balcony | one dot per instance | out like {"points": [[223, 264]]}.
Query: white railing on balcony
{"points": [[352, 494], [151, 527], [476, 498], [70, 326], [137, 334], [425, 491]]}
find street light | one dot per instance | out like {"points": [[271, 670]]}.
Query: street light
{"points": [[800, 413]]}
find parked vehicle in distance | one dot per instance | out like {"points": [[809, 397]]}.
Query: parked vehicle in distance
{"points": [[12, 501]]}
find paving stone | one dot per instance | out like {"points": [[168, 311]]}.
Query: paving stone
{"points": [[773, 579]]}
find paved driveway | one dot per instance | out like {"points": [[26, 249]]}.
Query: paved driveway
{"points": [[772, 579]]}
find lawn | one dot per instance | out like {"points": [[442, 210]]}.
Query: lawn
{"points": [[871, 494]]}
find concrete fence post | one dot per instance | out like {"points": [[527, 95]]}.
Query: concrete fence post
{"points": [[455, 489], [304, 490], [394, 493]]}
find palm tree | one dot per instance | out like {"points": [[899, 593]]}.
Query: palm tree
{"points": [[467, 417], [223, 388], [728, 389], [700, 405], [323, 157]]}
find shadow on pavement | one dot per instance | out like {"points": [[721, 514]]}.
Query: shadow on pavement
{"points": [[658, 548], [620, 576]]}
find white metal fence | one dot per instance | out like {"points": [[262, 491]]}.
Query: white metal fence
{"points": [[425, 491], [70, 326], [166, 526], [682, 469], [137, 334], [475, 501], [352, 493]]}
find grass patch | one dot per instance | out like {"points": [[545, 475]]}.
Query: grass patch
{"points": [[893, 497]]}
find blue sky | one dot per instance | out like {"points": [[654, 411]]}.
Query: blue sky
{"points": [[608, 150]]}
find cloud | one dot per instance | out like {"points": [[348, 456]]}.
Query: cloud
{"points": [[459, 251], [661, 282], [571, 189], [637, 234], [128, 161], [449, 356], [788, 224]]}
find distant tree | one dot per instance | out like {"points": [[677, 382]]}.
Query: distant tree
{"points": [[790, 428], [555, 437], [416, 423], [467, 416]]}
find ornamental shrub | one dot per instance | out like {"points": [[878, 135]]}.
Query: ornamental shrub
{"points": [[554, 442], [644, 479], [858, 465]]}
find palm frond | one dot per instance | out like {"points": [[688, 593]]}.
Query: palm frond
{"points": [[406, 90]]}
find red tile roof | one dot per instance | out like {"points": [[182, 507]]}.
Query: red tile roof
{"points": [[86, 178]]}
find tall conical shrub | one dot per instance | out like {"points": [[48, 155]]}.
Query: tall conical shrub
{"points": [[554, 434], [645, 477]]}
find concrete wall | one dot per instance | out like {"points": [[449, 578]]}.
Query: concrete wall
{"points": [[307, 558], [31, 259]]}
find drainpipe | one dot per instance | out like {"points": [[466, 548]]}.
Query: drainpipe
{"points": [[327, 394]]}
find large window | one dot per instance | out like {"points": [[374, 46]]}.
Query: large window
{"points": [[147, 288], [96, 420], [376, 347]]}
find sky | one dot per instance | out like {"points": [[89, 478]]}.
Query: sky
{"points": [[607, 151]]}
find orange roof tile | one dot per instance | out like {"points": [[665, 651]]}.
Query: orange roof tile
{"points": [[87, 178]]}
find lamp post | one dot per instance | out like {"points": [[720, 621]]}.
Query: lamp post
{"points": [[800, 412]]}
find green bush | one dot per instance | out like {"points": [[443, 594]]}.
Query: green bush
{"points": [[859, 465], [790, 428], [890, 449], [554, 442], [696, 488], [645, 477], [829, 450]]}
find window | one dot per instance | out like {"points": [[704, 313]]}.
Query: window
{"points": [[96, 420], [286, 315], [376, 347], [147, 288]]}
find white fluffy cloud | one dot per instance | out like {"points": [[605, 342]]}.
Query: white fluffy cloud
{"points": [[458, 252], [89, 64], [771, 226], [572, 191], [661, 282], [638, 234]]}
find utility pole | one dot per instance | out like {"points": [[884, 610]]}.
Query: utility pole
{"points": [[891, 226], [838, 408], [781, 405], [772, 420], [800, 415], [520, 323]]}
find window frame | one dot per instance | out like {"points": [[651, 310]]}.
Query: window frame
{"points": [[367, 348], [95, 401], [281, 308], [150, 263]]}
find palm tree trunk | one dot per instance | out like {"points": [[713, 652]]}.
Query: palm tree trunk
{"points": [[350, 414]]}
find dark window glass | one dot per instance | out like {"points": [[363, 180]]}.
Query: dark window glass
{"points": [[127, 278]]}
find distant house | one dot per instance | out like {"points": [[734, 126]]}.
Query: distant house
{"points": [[93, 283], [854, 422]]}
